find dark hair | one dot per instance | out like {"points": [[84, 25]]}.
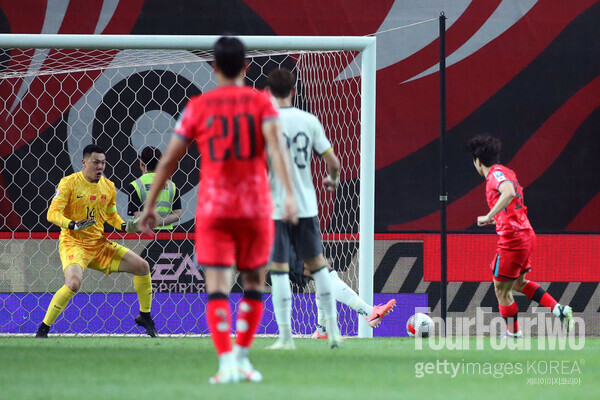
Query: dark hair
{"points": [[486, 148], [150, 156], [91, 148], [281, 82], [230, 53]]}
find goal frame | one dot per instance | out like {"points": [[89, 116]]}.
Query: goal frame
{"points": [[366, 45]]}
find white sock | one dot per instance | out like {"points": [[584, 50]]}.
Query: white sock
{"points": [[320, 318], [239, 352], [227, 360], [327, 301], [281, 295], [344, 294]]}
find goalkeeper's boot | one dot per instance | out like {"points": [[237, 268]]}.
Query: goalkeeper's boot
{"points": [[283, 345], [565, 314], [228, 370], [247, 372], [42, 331], [145, 321], [379, 312]]}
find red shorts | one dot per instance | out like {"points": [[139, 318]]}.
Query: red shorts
{"points": [[510, 262], [223, 242]]}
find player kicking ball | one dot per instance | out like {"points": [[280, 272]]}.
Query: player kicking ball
{"points": [[305, 134], [232, 126], [516, 236], [82, 203]]}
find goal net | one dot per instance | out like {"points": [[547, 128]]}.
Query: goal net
{"points": [[125, 95]]}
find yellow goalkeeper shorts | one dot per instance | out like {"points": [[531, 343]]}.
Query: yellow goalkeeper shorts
{"points": [[104, 256]]}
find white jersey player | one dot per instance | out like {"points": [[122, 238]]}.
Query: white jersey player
{"points": [[305, 135]]}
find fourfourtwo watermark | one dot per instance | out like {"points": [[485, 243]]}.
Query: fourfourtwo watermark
{"points": [[456, 333]]}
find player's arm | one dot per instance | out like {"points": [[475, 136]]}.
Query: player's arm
{"points": [[323, 146], [113, 217], [176, 211], [56, 210], [507, 194], [165, 168], [332, 180], [280, 163]]}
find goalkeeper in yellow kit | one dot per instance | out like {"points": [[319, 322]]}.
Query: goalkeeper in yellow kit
{"points": [[82, 203]]}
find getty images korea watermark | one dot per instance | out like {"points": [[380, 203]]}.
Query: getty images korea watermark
{"points": [[456, 332], [546, 372]]}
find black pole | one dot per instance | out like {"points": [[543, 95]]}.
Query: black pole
{"points": [[443, 192]]}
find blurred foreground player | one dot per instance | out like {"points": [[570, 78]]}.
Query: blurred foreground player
{"points": [[82, 203], [516, 236], [305, 134], [231, 125]]}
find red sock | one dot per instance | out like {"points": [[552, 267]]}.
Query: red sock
{"points": [[509, 313], [248, 318], [218, 315], [537, 294]]}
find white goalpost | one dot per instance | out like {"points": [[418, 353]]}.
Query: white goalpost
{"points": [[123, 92]]}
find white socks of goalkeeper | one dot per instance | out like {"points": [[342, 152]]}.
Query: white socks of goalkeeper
{"points": [[326, 302], [281, 295]]}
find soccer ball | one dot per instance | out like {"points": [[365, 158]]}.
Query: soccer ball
{"points": [[419, 325]]}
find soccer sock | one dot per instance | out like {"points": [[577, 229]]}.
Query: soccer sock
{"points": [[320, 318], [218, 315], [58, 304], [324, 291], [539, 295], [143, 288], [344, 294], [248, 318], [281, 295], [509, 313]]}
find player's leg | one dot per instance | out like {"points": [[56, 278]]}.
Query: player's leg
{"points": [[127, 261], [254, 240], [281, 290], [318, 268], [535, 292], [507, 305], [218, 316], [215, 254], [249, 314], [506, 267], [345, 295], [307, 241], [73, 278], [281, 296]]}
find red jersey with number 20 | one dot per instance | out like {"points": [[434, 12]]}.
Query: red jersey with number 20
{"points": [[227, 125], [513, 220]]}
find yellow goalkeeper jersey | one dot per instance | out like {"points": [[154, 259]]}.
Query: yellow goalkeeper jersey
{"points": [[77, 199]]}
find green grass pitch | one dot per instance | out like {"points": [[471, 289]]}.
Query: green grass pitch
{"points": [[366, 369]]}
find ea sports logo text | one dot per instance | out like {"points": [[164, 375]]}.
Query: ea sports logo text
{"points": [[176, 272]]}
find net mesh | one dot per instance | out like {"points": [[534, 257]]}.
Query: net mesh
{"points": [[56, 101]]}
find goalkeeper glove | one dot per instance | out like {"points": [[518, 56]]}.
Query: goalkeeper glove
{"points": [[81, 225], [130, 226]]}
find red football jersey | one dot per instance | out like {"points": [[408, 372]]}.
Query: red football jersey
{"points": [[513, 219], [227, 125]]}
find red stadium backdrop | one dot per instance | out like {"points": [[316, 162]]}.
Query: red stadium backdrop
{"points": [[526, 71]]}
